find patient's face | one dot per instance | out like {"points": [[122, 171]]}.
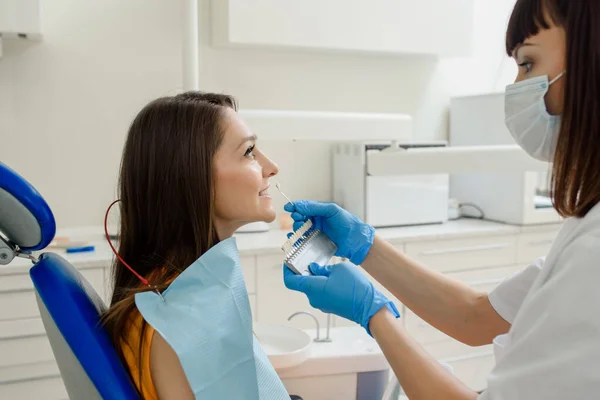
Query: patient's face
{"points": [[242, 174]]}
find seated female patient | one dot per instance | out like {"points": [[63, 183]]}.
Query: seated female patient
{"points": [[191, 175]]}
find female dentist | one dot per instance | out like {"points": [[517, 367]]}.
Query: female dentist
{"points": [[544, 321]]}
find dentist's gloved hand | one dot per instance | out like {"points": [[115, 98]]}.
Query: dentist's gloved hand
{"points": [[340, 289], [353, 237]]}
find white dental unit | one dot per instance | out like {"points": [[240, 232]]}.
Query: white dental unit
{"points": [[517, 197], [387, 201]]}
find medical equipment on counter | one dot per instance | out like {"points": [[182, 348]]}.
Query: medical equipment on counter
{"points": [[70, 308], [206, 318], [519, 197], [80, 249], [384, 201], [307, 245]]}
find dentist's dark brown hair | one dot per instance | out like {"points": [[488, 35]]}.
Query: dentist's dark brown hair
{"points": [[576, 169], [167, 199]]}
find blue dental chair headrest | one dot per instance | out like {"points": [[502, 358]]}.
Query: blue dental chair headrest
{"points": [[70, 308], [25, 218]]}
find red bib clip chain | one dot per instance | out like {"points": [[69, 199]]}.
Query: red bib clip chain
{"points": [[141, 278]]}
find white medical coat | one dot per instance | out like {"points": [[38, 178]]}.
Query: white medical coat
{"points": [[552, 351]]}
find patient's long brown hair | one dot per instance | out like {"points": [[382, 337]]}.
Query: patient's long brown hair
{"points": [[167, 199]]}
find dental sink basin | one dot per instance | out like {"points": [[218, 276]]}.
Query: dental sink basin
{"points": [[284, 346], [350, 351]]}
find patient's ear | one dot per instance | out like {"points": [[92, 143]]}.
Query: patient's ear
{"points": [[166, 371]]}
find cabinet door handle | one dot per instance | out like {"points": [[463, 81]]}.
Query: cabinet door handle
{"points": [[485, 282], [23, 336], [15, 291], [465, 249], [468, 356], [541, 242]]}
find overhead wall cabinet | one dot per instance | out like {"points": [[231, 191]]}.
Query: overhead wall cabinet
{"points": [[424, 27], [20, 19]]}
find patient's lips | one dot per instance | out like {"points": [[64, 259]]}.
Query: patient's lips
{"points": [[265, 192]]}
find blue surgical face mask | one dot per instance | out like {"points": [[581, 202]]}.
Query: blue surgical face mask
{"points": [[527, 117]]}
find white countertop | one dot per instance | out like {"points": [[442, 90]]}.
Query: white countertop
{"points": [[351, 350], [266, 243]]}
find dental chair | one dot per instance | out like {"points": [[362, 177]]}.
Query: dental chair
{"points": [[70, 308]]}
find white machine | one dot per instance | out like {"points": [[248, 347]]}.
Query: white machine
{"points": [[518, 197], [386, 201]]}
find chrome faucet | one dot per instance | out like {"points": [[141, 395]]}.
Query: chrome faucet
{"points": [[318, 338]]}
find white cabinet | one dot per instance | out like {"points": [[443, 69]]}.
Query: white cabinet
{"points": [[327, 387], [470, 364], [473, 371], [465, 254], [484, 280], [275, 302], [430, 27], [23, 342], [47, 388], [27, 366], [17, 297], [32, 381], [535, 244], [20, 18]]}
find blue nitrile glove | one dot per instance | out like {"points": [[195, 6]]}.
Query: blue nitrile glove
{"points": [[340, 289], [353, 237]]}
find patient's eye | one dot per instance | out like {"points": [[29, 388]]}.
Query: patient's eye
{"points": [[249, 152]]}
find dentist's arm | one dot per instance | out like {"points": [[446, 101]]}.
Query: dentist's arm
{"points": [[343, 290], [420, 376], [451, 306]]}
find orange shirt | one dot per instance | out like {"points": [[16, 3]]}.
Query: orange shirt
{"points": [[131, 352]]}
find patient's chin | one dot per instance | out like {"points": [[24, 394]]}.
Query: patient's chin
{"points": [[270, 216], [267, 215]]}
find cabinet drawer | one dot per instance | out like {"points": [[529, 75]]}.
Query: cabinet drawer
{"points": [[534, 245], [17, 297], [18, 304], [275, 303], [29, 372], [473, 371], [25, 350], [485, 279], [464, 254], [328, 387], [21, 327], [50, 388], [248, 264]]}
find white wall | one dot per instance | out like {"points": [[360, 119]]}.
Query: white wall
{"points": [[419, 86], [73, 95], [66, 102]]}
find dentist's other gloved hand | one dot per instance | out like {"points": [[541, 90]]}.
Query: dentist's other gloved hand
{"points": [[340, 289], [353, 237]]}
